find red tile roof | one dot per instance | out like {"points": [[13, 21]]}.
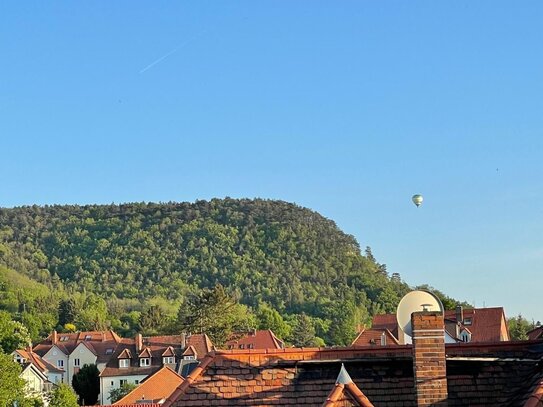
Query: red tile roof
{"points": [[485, 324], [201, 342], [43, 365], [145, 353], [373, 336], [536, 333], [131, 405], [536, 398], [261, 339], [97, 341], [346, 392], [504, 373], [155, 388], [154, 348]]}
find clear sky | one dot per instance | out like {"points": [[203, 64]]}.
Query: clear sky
{"points": [[348, 108]]}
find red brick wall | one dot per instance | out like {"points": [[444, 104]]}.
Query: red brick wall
{"points": [[429, 364]]}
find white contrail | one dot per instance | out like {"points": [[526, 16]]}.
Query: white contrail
{"points": [[163, 57]]}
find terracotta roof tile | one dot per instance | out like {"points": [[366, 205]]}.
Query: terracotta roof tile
{"points": [[478, 374], [374, 336], [536, 333], [485, 324], [345, 392], [155, 388], [201, 343], [190, 351], [261, 339], [145, 353]]}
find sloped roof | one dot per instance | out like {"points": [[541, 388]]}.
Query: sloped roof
{"points": [[146, 353], [154, 348], [168, 352], [201, 343], [504, 373], [131, 405], [486, 323], [97, 342], [536, 398], [125, 354], [155, 388], [43, 365], [258, 339], [190, 351], [372, 336], [536, 333], [346, 392]]}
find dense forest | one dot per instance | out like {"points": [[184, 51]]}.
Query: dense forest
{"points": [[143, 266]]}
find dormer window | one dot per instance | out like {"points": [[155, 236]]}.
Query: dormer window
{"points": [[145, 362], [19, 359], [88, 337], [63, 338], [168, 360], [189, 357], [465, 336], [124, 363]]}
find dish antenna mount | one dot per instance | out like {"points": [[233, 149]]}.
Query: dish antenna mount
{"points": [[415, 301]]}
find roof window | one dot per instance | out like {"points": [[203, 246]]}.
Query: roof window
{"points": [[468, 321]]}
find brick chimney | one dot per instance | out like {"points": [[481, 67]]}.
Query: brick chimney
{"points": [[54, 337], [139, 343], [429, 364]]}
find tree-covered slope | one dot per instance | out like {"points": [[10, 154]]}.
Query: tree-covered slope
{"points": [[132, 255]]}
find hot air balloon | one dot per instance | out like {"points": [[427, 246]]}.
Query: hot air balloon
{"points": [[417, 200]]}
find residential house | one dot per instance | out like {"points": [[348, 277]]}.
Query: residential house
{"points": [[135, 359], [428, 372], [154, 389], [255, 339], [68, 352], [52, 374], [461, 325]]}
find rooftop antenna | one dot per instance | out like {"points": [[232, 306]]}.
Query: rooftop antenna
{"points": [[415, 301]]}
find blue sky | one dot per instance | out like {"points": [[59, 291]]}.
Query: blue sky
{"points": [[348, 108]]}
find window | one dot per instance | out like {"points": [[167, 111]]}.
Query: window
{"points": [[60, 363], [112, 382], [467, 321], [123, 381], [77, 362], [88, 337], [189, 357], [124, 363], [242, 346], [251, 346], [63, 338], [19, 359], [465, 336], [109, 351], [145, 362], [136, 381], [169, 360]]}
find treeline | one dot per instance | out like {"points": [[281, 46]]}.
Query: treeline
{"points": [[136, 267]]}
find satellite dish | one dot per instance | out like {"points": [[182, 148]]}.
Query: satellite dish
{"points": [[417, 200], [414, 301]]}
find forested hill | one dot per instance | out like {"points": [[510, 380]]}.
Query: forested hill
{"points": [[266, 253]]}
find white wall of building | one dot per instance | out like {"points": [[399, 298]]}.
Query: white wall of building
{"points": [[109, 383]]}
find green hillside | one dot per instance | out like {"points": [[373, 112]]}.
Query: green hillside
{"points": [[124, 259]]}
